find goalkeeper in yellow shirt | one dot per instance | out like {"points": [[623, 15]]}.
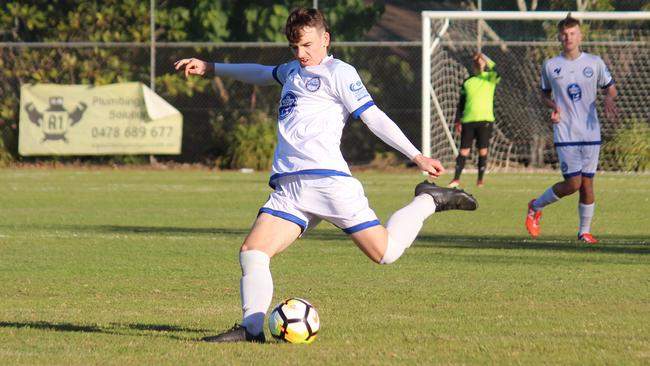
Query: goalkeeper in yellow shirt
{"points": [[475, 115]]}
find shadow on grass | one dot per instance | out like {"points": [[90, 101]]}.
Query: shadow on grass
{"points": [[155, 330], [609, 244], [135, 229]]}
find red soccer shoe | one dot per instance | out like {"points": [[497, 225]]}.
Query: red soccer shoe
{"points": [[587, 238], [532, 220]]}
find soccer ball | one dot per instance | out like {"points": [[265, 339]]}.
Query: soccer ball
{"points": [[295, 321]]}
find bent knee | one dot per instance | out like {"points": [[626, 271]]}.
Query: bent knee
{"points": [[386, 261], [574, 187], [393, 253]]}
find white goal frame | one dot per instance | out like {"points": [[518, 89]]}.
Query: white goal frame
{"points": [[429, 45]]}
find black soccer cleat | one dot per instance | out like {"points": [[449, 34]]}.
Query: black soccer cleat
{"points": [[447, 198], [237, 333]]}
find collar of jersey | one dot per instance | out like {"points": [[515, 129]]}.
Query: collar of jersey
{"points": [[325, 60]]}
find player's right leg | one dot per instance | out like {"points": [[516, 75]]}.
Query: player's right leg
{"points": [[386, 245], [571, 167], [463, 154], [466, 139], [270, 235], [552, 194]]}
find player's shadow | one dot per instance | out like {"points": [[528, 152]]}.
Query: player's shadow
{"points": [[612, 244], [149, 330], [318, 234], [166, 230], [138, 229]]}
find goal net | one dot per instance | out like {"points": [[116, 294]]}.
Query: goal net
{"points": [[519, 42]]}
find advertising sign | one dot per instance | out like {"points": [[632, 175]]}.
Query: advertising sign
{"points": [[126, 118]]}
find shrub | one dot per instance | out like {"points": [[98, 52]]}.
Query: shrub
{"points": [[629, 150], [251, 142]]}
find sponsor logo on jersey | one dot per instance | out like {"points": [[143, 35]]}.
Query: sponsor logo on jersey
{"points": [[356, 86], [557, 70], [574, 91], [358, 90], [287, 105], [564, 167], [313, 84], [588, 72]]}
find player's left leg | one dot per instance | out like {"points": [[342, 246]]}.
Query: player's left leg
{"points": [[482, 142], [587, 205], [586, 208], [570, 158], [270, 235], [279, 223]]}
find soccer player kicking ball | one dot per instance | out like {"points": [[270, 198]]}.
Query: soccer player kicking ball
{"points": [[310, 178], [570, 83]]}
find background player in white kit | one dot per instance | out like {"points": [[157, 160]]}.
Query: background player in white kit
{"points": [[570, 83], [311, 179]]}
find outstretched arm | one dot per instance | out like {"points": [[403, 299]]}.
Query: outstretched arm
{"points": [[384, 128], [248, 73]]}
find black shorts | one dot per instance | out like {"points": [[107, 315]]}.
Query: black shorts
{"points": [[481, 131]]}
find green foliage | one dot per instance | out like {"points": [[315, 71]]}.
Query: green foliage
{"points": [[128, 21], [629, 150], [252, 142]]}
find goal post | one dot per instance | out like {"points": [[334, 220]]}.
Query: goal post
{"points": [[519, 42]]}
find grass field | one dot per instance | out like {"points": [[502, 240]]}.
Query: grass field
{"points": [[131, 267]]}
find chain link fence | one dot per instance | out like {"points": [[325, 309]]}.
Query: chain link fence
{"points": [[211, 106], [391, 71]]}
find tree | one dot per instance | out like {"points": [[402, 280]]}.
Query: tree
{"points": [[128, 21]]}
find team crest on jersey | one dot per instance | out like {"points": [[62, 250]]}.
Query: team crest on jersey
{"points": [[358, 90], [574, 91], [564, 167], [588, 72], [287, 105], [313, 84]]}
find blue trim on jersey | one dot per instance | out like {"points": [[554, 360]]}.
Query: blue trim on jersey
{"points": [[574, 174], [275, 75], [323, 172], [588, 175], [356, 114], [546, 90], [577, 143], [362, 226], [287, 216], [608, 84]]}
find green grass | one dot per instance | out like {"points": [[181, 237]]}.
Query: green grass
{"points": [[132, 267]]}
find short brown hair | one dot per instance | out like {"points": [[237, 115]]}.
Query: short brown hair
{"points": [[302, 17], [568, 22]]}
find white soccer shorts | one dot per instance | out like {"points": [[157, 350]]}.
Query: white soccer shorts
{"points": [[308, 199], [578, 160]]}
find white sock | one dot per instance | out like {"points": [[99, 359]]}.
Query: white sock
{"points": [[546, 198], [405, 224], [586, 213], [256, 289]]}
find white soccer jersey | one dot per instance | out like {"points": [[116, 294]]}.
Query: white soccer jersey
{"points": [[315, 104], [575, 84]]}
